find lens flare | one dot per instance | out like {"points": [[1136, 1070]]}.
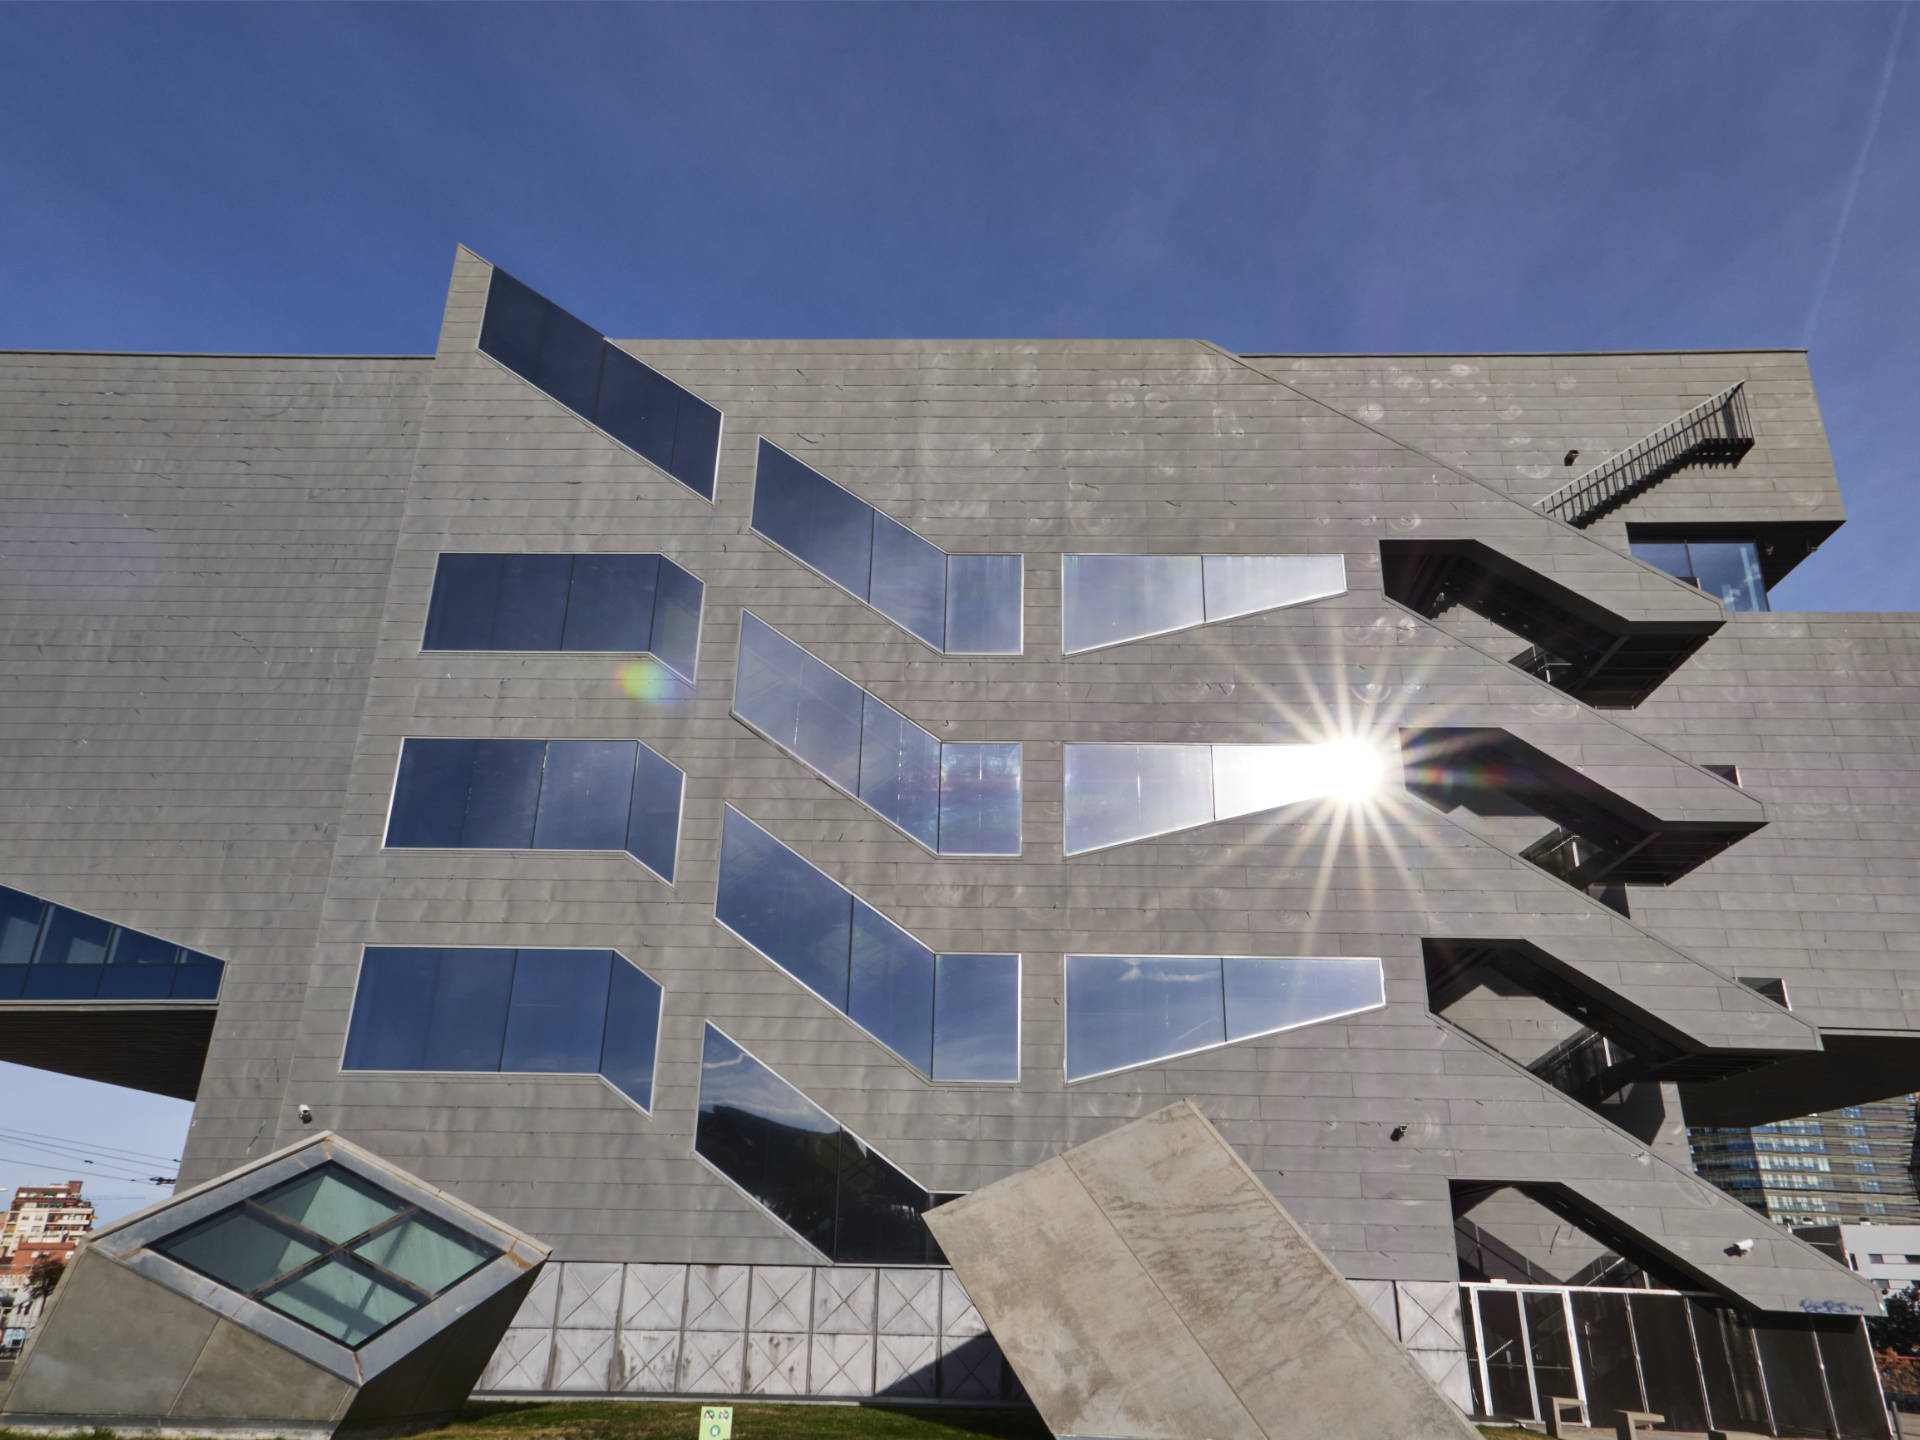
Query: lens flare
{"points": [[1352, 770], [644, 680]]}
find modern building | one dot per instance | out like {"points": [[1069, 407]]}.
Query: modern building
{"points": [[1888, 1255], [704, 802], [1851, 1164]]}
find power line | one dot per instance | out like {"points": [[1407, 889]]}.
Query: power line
{"points": [[103, 1174], [62, 1155], [143, 1156]]}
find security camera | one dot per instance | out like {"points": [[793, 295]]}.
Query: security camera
{"points": [[306, 1118], [1740, 1247]]}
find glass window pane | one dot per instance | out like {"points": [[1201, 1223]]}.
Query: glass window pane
{"points": [[419, 1008], [768, 1138], [73, 939], [585, 796], [1606, 1353], [909, 582], [541, 343], [532, 608], [426, 1253], [799, 702], [332, 1203], [1667, 1368], [1670, 556], [696, 444], [1130, 1009], [813, 519], [239, 1250], [786, 909], [1732, 1372], [342, 1300], [980, 798], [1730, 572], [653, 818], [1552, 1349], [466, 589], [983, 604], [1106, 599], [61, 982], [1248, 779], [676, 619], [430, 793], [13, 979], [1267, 993], [1246, 584], [976, 1017], [1851, 1380], [610, 605], [633, 1031], [1117, 793], [196, 982], [900, 771], [637, 405], [1506, 1358], [559, 1012], [879, 1211], [891, 986], [130, 947], [503, 794], [1792, 1369], [20, 917], [136, 982]]}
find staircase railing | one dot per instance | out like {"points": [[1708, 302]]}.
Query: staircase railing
{"points": [[1716, 431]]}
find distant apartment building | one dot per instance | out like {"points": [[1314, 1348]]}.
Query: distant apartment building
{"points": [[42, 1216], [1852, 1164], [1888, 1255]]}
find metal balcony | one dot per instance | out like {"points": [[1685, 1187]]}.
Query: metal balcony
{"points": [[1716, 432]]}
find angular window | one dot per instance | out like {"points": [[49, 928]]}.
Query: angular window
{"points": [[569, 360], [332, 1251], [1119, 793], [1728, 570], [951, 1017], [524, 1012], [822, 1181], [961, 798], [597, 604], [1111, 599], [1129, 1010], [538, 794], [958, 604], [48, 952]]}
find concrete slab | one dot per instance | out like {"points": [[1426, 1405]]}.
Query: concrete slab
{"points": [[239, 1376], [1147, 1285]]}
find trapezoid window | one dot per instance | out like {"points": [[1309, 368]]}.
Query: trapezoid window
{"points": [[515, 1012], [818, 1178], [594, 604], [956, 798], [570, 361], [538, 795], [1130, 1010], [331, 1250], [49, 952], [1111, 599], [951, 1017], [958, 604], [1120, 793]]}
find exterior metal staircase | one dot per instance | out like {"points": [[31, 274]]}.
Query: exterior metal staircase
{"points": [[1716, 432]]}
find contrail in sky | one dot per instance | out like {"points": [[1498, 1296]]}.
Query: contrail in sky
{"points": [[1859, 169]]}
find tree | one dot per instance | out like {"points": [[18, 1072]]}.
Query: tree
{"points": [[1900, 1330], [44, 1275]]}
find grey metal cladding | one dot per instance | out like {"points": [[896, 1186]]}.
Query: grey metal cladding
{"points": [[273, 857]]}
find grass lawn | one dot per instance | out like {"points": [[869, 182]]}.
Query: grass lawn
{"points": [[679, 1420]]}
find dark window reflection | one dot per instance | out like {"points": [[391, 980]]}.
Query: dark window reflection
{"points": [[1552, 1349], [676, 619], [1667, 1367], [909, 582], [633, 1032], [813, 519], [71, 938], [656, 418], [891, 989], [1606, 1353], [1852, 1382], [558, 1013], [798, 701], [20, 917], [1506, 1356], [610, 604], [1792, 1368], [503, 791], [1728, 570], [1730, 1366], [653, 821], [429, 1009], [840, 1195], [48, 952], [784, 908], [585, 795]]}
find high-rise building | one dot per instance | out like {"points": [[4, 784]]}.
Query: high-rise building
{"points": [[703, 802], [1851, 1164], [41, 1215]]}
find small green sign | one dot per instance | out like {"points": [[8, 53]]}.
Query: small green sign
{"points": [[716, 1422]]}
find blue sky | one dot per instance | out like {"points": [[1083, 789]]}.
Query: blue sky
{"points": [[1272, 178]]}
